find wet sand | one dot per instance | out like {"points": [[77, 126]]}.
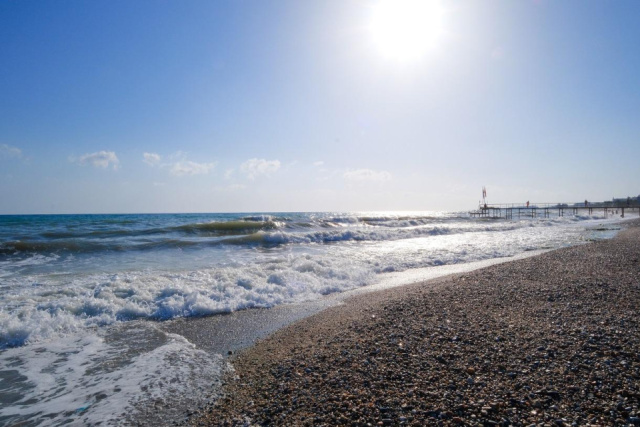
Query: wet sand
{"points": [[548, 340], [228, 333]]}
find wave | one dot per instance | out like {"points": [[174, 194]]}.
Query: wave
{"points": [[84, 247], [101, 234], [17, 247], [48, 310], [217, 228], [254, 230], [96, 291], [229, 227], [265, 218], [250, 233], [356, 235]]}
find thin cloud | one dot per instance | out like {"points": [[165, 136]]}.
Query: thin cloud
{"points": [[187, 167], [318, 163], [178, 165], [255, 167], [366, 175], [101, 159], [10, 151], [152, 159]]}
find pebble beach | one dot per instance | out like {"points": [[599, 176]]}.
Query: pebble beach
{"points": [[551, 340]]}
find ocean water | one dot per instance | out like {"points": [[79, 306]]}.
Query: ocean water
{"points": [[83, 297]]}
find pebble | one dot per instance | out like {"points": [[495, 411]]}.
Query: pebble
{"points": [[548, 340]]}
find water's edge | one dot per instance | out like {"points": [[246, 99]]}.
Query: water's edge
{"points": [[148, 371], [232, 333], [229, 333]]}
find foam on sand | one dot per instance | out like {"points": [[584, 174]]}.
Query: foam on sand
{"points": [[133, 372]]}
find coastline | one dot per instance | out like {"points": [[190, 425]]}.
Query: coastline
{"points": [[129, 336], [226, 334], [546, 339]]}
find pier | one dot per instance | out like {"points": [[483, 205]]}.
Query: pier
{"points": [[545, 210]]}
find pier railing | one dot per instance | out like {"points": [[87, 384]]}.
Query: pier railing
{"points": [[581, 205], [527, 209]]}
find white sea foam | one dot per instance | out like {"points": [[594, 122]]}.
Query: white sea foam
{"points": [[37, 313], [109, 378], [40, 307]]}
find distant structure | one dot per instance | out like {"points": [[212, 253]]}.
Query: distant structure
{"points": [[484, 196], [617, 206]]}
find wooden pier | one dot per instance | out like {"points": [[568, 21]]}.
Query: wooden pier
{"points": [[545, 210]]}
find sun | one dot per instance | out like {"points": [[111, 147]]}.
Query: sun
{"points": [[406, 29]]}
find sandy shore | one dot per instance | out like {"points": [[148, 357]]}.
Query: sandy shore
{"points": [[548, 340]]}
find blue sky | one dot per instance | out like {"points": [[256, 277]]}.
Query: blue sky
{"points": [[277, 105]]}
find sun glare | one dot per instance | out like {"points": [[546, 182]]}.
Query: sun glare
{"points": [[406, 29]]}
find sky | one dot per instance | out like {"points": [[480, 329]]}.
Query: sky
{"points": [[114, 106]]}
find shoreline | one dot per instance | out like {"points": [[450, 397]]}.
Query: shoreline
{"points": [[229, 333], [478, 347]]}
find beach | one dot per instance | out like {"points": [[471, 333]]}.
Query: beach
{"points": [[130, 319], [546, 340]]}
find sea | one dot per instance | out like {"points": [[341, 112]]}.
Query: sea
{"points": [[87, 301]]}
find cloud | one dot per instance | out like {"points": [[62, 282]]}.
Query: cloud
{"points": [[178, 165], [152, 159], [229, 174], [255, 167], [187, 167], [101, 159], [366, 175], [10, 151], [318, 163]]}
